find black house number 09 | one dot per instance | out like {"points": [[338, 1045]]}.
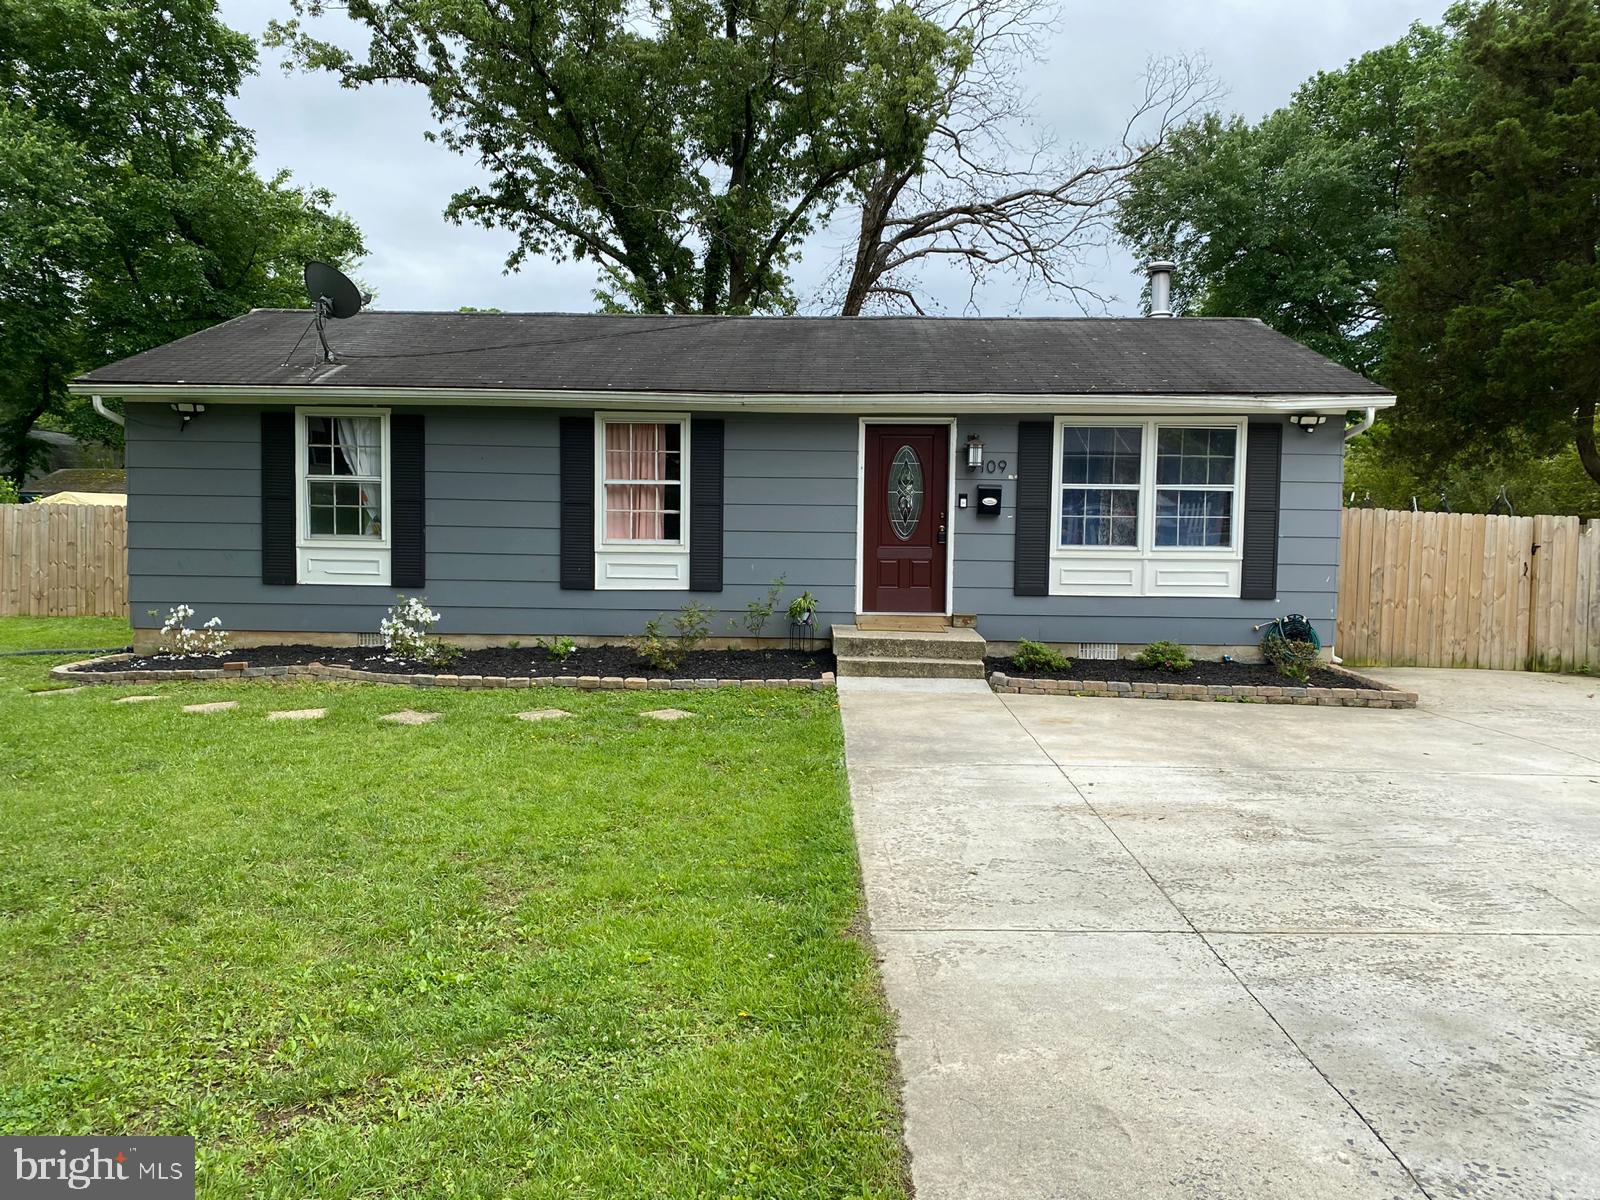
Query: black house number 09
{"points": [[991, 465]]}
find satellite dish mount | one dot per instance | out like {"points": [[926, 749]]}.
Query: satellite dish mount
{"points": [[332, 294]]}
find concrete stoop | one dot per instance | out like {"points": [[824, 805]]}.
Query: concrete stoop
{"points": [[904, 654]]}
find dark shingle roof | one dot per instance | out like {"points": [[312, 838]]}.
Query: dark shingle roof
{"points": [[747, 355], [79, 479]]}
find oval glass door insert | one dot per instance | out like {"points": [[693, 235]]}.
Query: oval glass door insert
{"points": [[905, 493]]}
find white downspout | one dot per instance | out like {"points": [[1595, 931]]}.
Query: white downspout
{"points": [[100, 407]]}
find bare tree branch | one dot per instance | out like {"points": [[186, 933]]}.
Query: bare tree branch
{"points": [[979, 197]]}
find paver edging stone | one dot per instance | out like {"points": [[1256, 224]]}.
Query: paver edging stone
{"points": [[75, 672], [1342, 697]]}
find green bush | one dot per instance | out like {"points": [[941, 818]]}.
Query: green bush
{"points": [[663, 650], [559, 649], [1293, 659], [9, 494], [1164, 656], [1036, 656]]}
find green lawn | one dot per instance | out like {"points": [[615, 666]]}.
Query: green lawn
{"points": [[600, 956], [57, 633]]}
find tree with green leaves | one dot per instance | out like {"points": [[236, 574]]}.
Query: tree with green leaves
{"points": [[1295, 220], [1495, 308], [686, 147], [130, 212]]}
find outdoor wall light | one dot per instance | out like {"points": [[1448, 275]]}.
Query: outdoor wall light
{"points": [[974, 452], [186, 412], [1308, 422]]}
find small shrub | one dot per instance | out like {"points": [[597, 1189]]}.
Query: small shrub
{"points": [[9, 492], [559, 649], [178, 638], [758, 612], [407, 634], [1291, 645], [693, 625], [1293, 659], [1036, 656], [1164, 656], [658, 648]]}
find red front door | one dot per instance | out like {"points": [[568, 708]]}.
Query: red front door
{"points": [[905, 525]]}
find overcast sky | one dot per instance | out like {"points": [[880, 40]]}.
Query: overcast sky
{"points": [[367, 146]]}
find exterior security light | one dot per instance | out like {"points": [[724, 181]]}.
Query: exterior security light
{"points": [[1308, 422], [974, 452]]}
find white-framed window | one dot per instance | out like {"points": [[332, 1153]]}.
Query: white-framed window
{"points": [[1147, 506], [342, 495], [641, 501]]}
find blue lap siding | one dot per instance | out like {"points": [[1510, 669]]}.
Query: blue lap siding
{"points": [[790, 509]]}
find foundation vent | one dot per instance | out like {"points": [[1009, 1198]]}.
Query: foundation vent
{"points": [[369, 639], [1099, 651]]}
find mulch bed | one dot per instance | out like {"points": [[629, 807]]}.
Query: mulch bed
{"points": [[1232, 674], [501, 660]]}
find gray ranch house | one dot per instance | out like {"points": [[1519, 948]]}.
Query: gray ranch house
{"points": [[1101, 482]]}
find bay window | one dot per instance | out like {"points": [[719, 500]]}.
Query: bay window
{"points": [[1147, 507]]}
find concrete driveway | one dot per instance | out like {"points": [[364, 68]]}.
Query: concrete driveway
{"points": [[1156, 949]]}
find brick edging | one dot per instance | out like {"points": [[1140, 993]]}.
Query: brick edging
{"points": [[1350, 697], [340, 674]]}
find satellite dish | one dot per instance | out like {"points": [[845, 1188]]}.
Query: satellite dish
{"points": [[332, 294], [331, 291]]}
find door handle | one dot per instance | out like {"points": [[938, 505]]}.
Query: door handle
{"points": [[941, 533]]}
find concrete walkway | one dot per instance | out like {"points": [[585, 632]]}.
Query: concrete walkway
{"points": [[1144, 949]]}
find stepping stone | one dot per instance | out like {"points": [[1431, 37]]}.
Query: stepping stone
{"points": [[298, 714], [408, 716], [60, 691], [543, 714], [138, 699], [214, 706], [667, 714]]}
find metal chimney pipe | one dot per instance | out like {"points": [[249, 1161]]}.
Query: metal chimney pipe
{"points": [[1160, 273]]}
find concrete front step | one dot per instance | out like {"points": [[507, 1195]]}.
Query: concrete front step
{"points": [[910, 668], [962, 645]]}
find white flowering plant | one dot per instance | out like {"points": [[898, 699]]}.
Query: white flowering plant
{"points": [[180, 639], [407, 633]]}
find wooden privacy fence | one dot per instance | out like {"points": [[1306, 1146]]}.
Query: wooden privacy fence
{"points": [[63, 560], [1466, 590]]}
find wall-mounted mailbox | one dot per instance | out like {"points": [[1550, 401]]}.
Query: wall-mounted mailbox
{"points": [[988, 500]]}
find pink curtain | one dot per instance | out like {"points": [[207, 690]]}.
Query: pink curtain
{"points": [[634, 510]]}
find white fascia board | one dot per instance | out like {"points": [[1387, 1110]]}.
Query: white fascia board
{"points": [[868, 403]]}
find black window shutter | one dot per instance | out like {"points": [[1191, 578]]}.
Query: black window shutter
{"points": [[705, 504], [408, 553], [1031, 558], [277, 498], [577, 503], [1262, 469]]}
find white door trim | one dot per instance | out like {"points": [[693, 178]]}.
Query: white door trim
{"points": [[949, 508]]}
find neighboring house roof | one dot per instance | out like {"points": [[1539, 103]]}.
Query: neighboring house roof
{"points": [[78, 479], [67, 451], [107, 499], [741, 356]]}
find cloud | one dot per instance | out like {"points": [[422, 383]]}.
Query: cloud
{"points": [[367, 146]]}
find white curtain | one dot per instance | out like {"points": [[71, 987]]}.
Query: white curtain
{"points": [[360, 444]]}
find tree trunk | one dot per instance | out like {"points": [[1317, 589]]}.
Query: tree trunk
{"points": [[868, 264], [1583, 434]]}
